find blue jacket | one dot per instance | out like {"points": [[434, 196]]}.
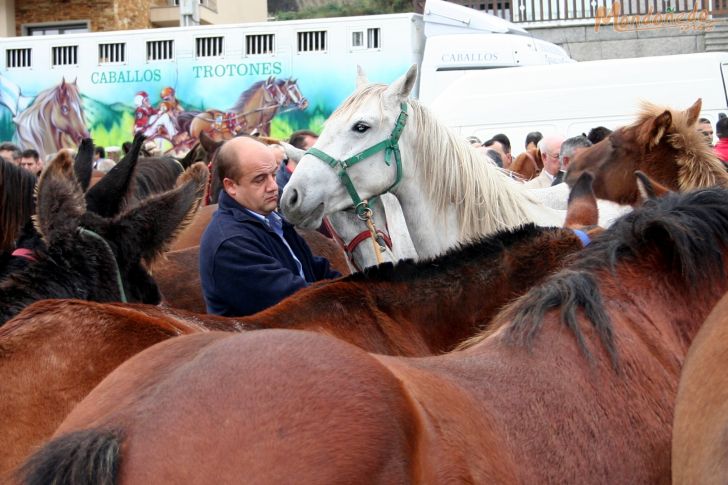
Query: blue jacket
{"points": [[244, 265]]}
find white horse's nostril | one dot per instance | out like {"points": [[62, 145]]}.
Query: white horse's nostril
{"points": [[293, 198]]}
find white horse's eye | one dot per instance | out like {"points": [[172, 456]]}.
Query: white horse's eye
{"points": [[360, 127]]}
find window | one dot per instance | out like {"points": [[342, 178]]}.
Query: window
{"points": [[159, 50], [208, 46], [370, 41], [314, 41], [66, 55], [17, 58], [55, 29], [259, 44], [176, 2], [112, 53]]}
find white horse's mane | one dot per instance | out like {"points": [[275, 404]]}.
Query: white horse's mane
{"points": [[454, 173]]}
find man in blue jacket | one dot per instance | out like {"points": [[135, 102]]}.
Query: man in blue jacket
{"points": [[250, 258]]}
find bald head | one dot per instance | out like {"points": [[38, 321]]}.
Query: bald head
{"points": [[238, 155], [247, 169]]}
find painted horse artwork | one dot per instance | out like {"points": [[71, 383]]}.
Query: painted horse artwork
{"points": [[387, 310], [663, 143], [699, 446], [52, 121], [251, 114], [575, 381], [90, 255], [380, 141]]}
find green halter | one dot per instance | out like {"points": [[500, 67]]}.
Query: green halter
{"points": [[390, 146]]}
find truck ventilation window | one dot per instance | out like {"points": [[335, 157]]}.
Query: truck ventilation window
{"points": [[314, 41], [259, 44], [17, 58], [373, 36], [112, 53], [66, 55], [160, 50], [208, 46]]}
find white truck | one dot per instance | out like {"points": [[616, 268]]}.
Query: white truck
{"points": [[269, 77], [570, 99]]}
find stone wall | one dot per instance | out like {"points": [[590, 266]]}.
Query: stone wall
{"points": [[583, 43], [101, 14]]}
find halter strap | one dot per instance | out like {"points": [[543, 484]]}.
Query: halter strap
{"points": [[25, 253], [88, 232], [583, 236], [390, 147]]}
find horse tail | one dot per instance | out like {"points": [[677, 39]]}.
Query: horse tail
{"points": [[81, 457]]}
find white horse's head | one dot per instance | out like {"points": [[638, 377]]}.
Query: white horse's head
{"points": [[363, 120]]}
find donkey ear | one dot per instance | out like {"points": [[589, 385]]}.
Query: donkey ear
{"points": [[60, 202], [84, 164], [402, 87], [361, 76], [582, 210], [152, 234], [693, 112], [108, 195]]}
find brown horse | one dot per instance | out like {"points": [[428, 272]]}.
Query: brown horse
{"points": [[576, 384], [409, 309], [699, 447], [252, 113], [663, 143]]}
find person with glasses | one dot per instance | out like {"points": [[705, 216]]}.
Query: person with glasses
{"points": [[250, 257], [550, 147]]}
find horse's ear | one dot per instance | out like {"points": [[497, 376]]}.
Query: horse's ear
{"points": [[84, 164], [582, 210], [178, 206], [60, 202], [402, 87], [107, 197], [693, 113], [655, 129], [208, 143], [648, 188], [292, 152], [361, 76]]}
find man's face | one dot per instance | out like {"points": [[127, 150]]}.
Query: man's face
{"points": [[550, 159], [566, 160], [309, 141], [30, 164], [707, 130], [256, 188]]}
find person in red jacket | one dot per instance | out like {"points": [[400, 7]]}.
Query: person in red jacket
{"points": [[721, 130]]}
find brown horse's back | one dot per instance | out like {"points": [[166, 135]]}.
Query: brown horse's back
{"points": [[49, 361], [223, 400], [700, 431]]}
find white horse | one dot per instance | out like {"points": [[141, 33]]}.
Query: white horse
{"points": [[449, 194], [353, 235]]}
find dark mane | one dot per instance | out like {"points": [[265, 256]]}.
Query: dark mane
{"points": [[688, 232], [16, 202], [155, 175], [464, 255], [245, 96]]}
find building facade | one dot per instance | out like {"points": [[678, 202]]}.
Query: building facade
{"points": [[41, 17]]}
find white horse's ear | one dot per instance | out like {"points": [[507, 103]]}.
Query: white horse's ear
{"points": [[361, 77], [402, 87], [292, 152]]}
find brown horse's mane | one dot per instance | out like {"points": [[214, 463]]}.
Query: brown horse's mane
{"points": [[472, 254], [246, 95], [688, 231], [699, 167]]}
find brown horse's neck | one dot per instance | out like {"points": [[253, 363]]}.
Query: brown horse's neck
{"points": [[431, 312]]}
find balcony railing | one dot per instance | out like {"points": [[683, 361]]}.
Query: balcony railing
{"points": [[521, 11]]}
